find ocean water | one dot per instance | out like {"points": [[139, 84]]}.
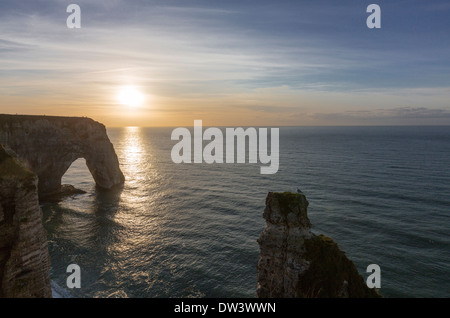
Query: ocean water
{"points": [[190, 230]]}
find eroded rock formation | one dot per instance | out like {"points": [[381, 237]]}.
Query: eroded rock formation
{"points": [[24, 256], [294, 262], [48, 145]]}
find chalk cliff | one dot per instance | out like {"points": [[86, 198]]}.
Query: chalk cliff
{"points": [[24, 256], [294, 262], [48, 145]]}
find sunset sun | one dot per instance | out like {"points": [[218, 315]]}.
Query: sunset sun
{"points": [[130, 96]]}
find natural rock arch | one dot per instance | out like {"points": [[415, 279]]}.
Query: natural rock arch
{"points": [[48, 145]]}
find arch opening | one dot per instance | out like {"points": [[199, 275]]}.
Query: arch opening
{"points": [[78, 175]]}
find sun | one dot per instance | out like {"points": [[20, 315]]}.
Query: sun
{"points": [[130, 96]]}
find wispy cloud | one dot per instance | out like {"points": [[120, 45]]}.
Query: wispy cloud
{"points": [[285, 58]]}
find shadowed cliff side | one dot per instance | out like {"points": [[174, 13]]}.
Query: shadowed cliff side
{"points": [[24, 256], [48, 145], [294, 262]]}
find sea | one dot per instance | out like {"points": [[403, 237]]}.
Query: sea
{"points": [[190, 230]]}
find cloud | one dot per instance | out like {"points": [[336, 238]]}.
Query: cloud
{"points": [[233, 53], [413, 112], [397, 115]]}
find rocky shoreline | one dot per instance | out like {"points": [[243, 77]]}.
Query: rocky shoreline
{"points": [[59, 292]]}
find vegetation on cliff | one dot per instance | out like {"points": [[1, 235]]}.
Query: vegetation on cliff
{"points": [[330, 273]]}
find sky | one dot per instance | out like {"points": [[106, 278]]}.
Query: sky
{"points": [[228, 62]]}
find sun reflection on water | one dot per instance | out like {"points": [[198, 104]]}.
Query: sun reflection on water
{"points": [[133, 148], [140, 189], [116, 236]]}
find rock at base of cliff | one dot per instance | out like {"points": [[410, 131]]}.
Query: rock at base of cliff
{"points": [[24, 256], [59, 292], [294, 262], [67, 190]]}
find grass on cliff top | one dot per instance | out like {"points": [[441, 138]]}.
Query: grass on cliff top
{"points": [[20, 118], [290, 199], [9, 166], [66, 121]]}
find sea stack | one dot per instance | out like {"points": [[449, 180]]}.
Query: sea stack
{"points": [[24, 256], [48, 145], [294, 262]]}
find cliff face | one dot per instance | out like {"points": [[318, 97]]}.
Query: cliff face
{"points": [[49, 145], [24, 257], [294, 262]]}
